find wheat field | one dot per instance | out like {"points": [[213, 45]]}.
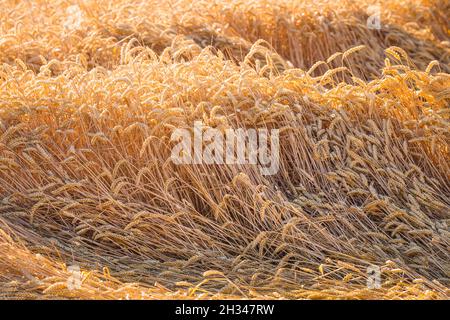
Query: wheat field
{"points": [[91, 91]]}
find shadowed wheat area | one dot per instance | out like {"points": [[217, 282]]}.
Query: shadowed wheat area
{"points": [[91, 92]]}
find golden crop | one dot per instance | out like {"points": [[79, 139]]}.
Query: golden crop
{"points": [[90, 92]]}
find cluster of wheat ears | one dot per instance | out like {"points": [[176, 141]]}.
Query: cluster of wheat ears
{"points": [[90, 92]]}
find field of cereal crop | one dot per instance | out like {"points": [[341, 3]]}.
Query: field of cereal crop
{"points": [[93, 206]]}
